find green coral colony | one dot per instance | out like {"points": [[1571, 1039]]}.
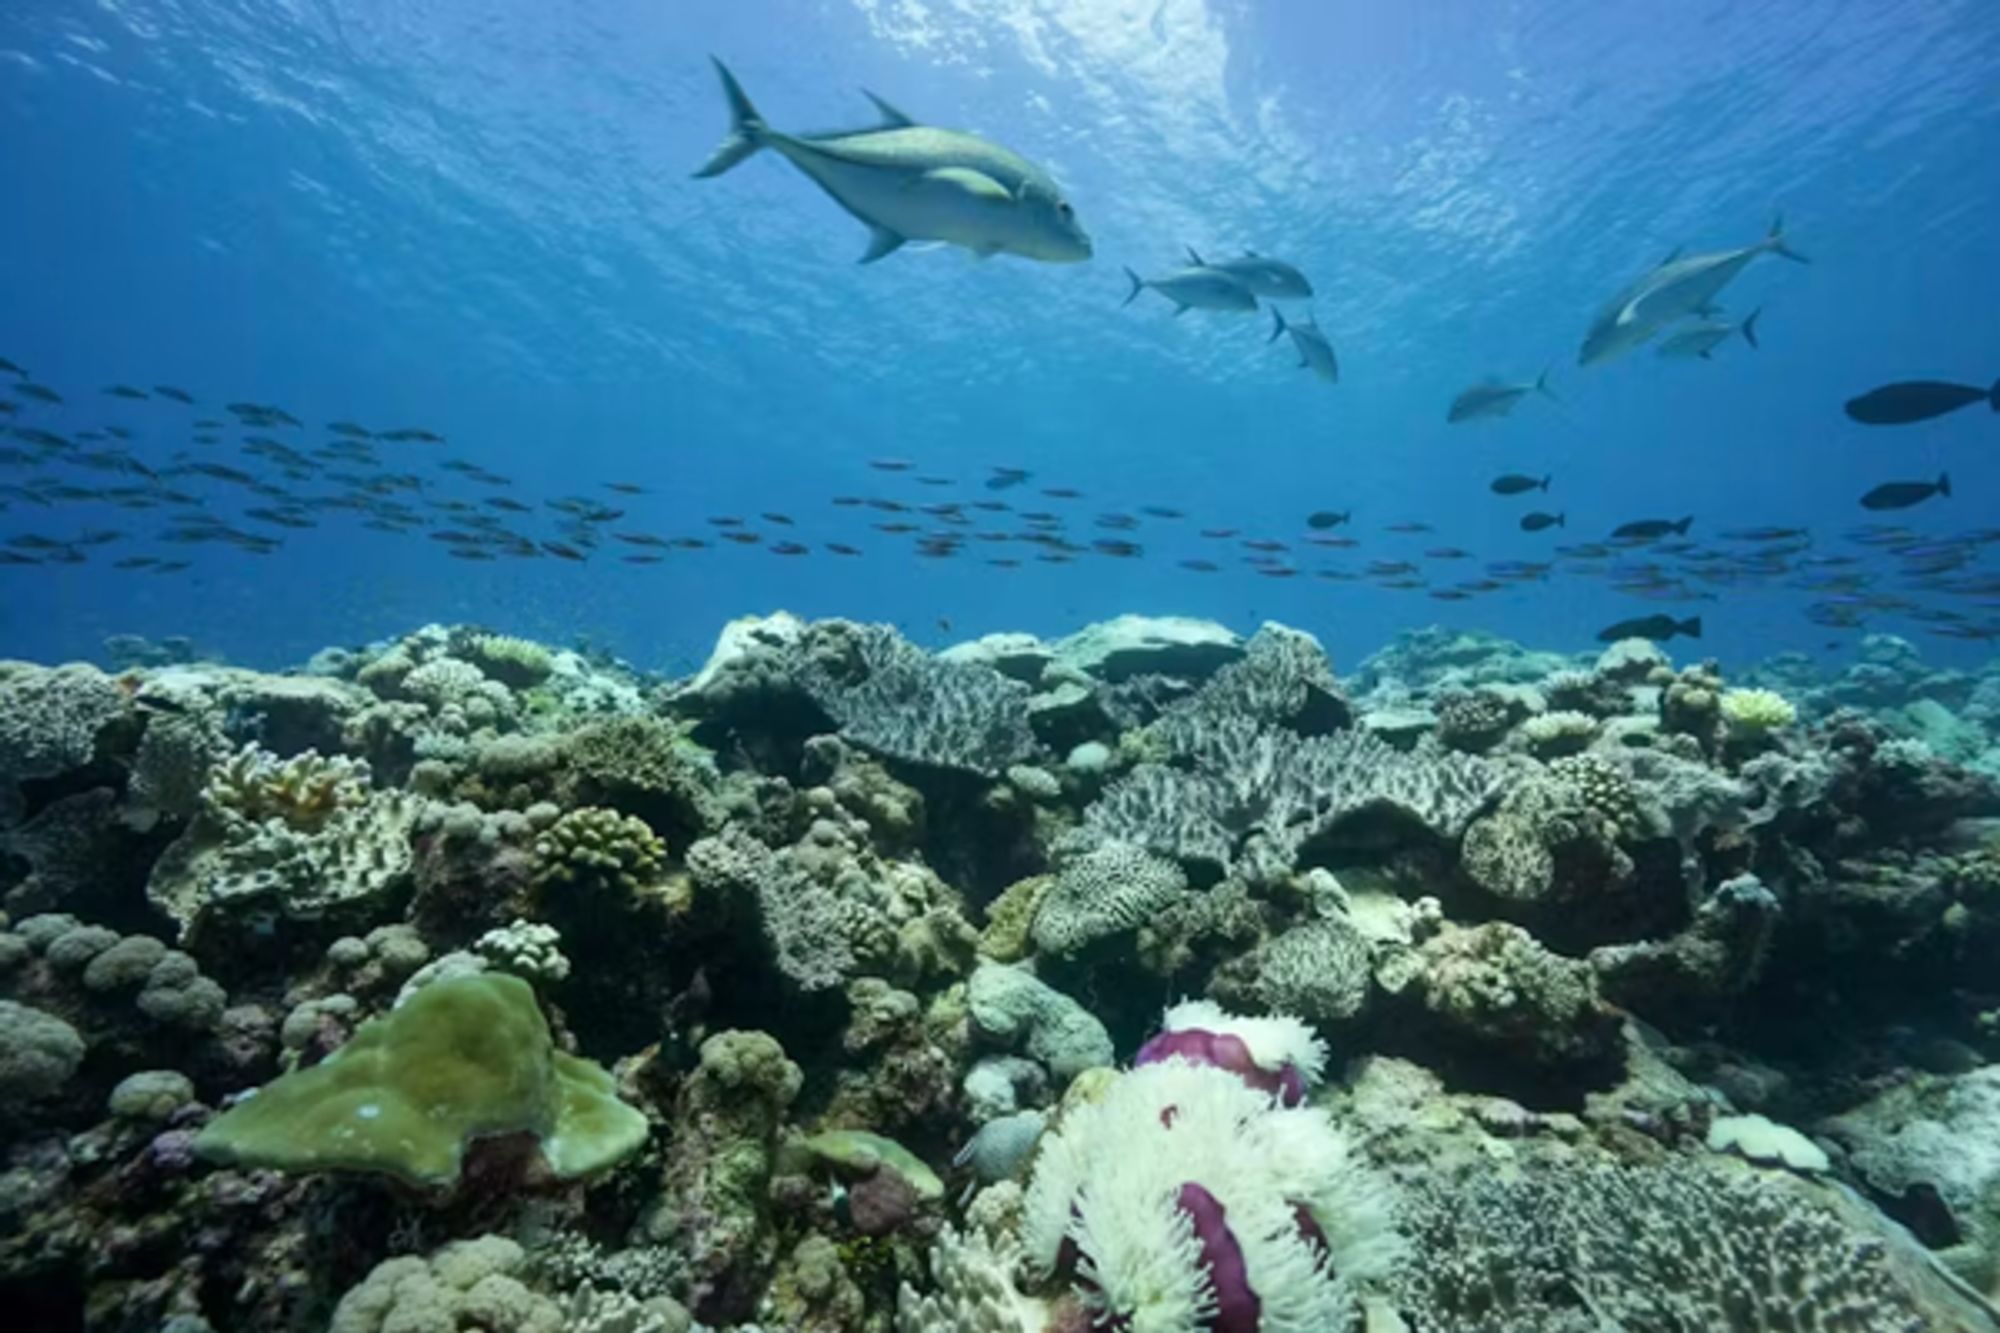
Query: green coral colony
{"points": [[1155, 978]]}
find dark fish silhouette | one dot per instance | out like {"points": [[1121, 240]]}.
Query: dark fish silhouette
{"points": [[177, 395], [1514, 483], [1903, 494], [39, 392], [1917, 400], [1536, 522], [1646, 529], [1321, 520], [1659, 627]]}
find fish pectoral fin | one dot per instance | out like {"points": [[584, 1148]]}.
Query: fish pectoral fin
{"points": [[976, 184], [881, 241], [985, 251]]}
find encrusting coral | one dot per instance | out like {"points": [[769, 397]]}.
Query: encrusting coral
{"points": [[462, 1058]]}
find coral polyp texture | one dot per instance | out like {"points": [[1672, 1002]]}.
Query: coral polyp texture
{"points": [[1156, 977]]}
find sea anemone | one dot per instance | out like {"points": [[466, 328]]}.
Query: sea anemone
{"points": [[1184, 1199]]}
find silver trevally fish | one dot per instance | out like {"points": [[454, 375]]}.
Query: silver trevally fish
{"points": [[1195, 287], [1263, 275], [1315, 352], [1493, 398], [1677, 288], [911, 182], [1702, 337]]}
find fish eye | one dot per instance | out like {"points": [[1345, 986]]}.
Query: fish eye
{"points": [[1063, 210]]}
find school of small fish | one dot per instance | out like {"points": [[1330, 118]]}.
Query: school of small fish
{"points": [[238, 480]]}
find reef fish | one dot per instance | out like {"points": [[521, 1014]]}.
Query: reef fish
{"points": [[1513, 483], [1903, 494], [1677, 288], [1538, 521], [1660, 627], [1646, 529], [1917, 400], [908, 182], [1315, 352]]}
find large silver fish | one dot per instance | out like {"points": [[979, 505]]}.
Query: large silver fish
{"points": [[1495, 398], [911, 182], [1194, 287], [1263, 275], [1315, 352], [1702, 337], [1677, 288]]}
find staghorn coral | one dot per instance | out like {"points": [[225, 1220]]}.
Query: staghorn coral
{"points": [[1106, 890]]}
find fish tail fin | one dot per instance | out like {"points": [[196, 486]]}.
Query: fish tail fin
{"points": [[1774, 240], [1750, 327], [1138, 285], [1993, 396], [1562, 519], [746, 128], [1681, 528], [1944, 484], [1542, 385], [1690, 627], [1546, 479], [1277, 325]]}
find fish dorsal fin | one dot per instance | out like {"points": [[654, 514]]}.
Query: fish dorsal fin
{"points": [[892, 119], [1195, 259], [1672, 255]]}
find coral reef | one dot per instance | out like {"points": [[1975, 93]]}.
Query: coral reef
{"points": [[464, 982]]}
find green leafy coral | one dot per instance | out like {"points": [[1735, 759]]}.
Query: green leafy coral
{"points": [[461, 1059]]}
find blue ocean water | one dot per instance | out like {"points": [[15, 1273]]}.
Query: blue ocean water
{"points": [[479, 220]]}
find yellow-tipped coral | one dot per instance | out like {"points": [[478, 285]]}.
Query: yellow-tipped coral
{"points": [[1757, 712]]}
